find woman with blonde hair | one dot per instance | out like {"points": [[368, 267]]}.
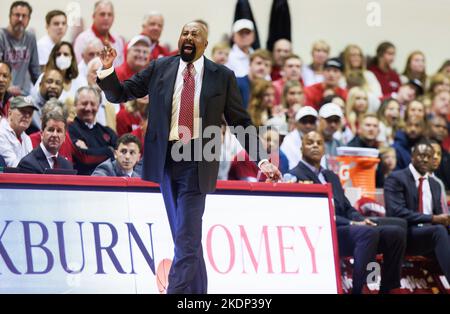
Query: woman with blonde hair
{"points": [[356, 106], [261, 102], [415, 68], [313, 73], [356, 74]]}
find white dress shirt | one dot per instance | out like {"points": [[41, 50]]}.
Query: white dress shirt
{"points": [[48, 155], [426, 191]]}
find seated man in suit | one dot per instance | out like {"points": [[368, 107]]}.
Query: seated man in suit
{"points": [[46, 155], [412, 194], [127, 154], [357, 235]]}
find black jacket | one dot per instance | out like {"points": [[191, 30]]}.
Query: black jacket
{"points": [[343, 209], [401, 197], [36, 162]]}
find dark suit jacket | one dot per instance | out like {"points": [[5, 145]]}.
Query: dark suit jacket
{"points": [[219, 95], [110, 168], [343, 209], [36, 162], [401, 197]]}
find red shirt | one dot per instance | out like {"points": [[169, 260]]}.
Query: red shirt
{"points": [[389, 81], [66, 150], [159, 52], [276, 73], [124, 72], [126, 122], [314, 94], [103, 38]]}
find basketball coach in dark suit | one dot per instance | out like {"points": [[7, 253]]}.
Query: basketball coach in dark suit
{"points": [[357, 236], [183, 90], [412, 194], [46, 156]]}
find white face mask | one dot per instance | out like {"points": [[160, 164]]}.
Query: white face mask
{"points": [[63, 62]]}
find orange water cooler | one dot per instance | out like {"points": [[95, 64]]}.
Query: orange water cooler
{"points": [[357, 168]]}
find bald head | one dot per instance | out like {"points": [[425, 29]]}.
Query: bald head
{"points": [[281, 49], [193, 41]]}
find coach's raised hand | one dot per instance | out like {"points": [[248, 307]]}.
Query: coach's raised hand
{"points": [[107, 55]]}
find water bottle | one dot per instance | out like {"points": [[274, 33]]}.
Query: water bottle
{"points": [[289, 178]]}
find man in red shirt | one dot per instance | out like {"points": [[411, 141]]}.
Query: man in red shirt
{"points": [[314, 94], [152, 28], [137, 57]]}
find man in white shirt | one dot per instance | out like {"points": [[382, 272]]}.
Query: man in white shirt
{"points": [[243, 38], [56, 24], [14, 142]]}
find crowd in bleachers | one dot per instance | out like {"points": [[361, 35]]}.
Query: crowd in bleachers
{"points": [[54, 116]]}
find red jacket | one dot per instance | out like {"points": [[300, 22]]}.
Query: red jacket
{"points": [[389, 81], [314, 94]]}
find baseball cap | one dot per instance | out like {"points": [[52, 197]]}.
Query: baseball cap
{"points": [[329, 110], [243, 24], [334, 63], [417, 85], [138, 38], [305, 111], [22, 102]]}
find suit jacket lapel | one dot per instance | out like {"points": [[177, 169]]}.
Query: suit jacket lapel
{"points": [[309, 174], [42, 160], [207, 84], [413, 188], [168, 80]]}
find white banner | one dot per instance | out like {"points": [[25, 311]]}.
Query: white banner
{"points": [[93, 241]]}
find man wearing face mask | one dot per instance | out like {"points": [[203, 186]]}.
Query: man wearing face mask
{"points": [[138, 57], [18, 47], [184, 89], [51, 86], [61, 58]]}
